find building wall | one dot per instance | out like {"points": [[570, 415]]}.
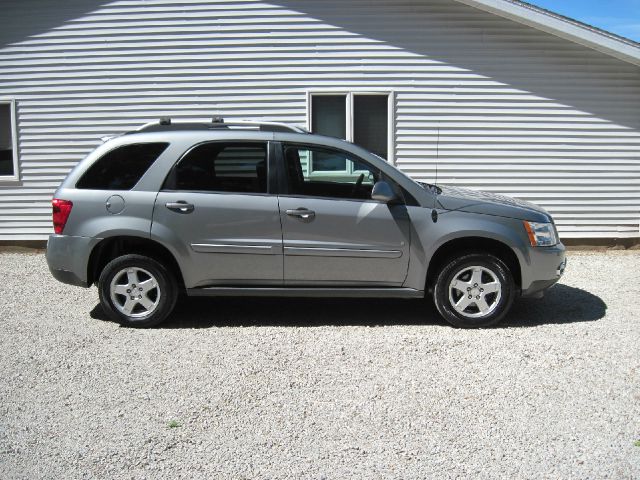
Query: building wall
{"points": [[516, 110]]}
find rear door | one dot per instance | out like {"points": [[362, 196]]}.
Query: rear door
{"points": [[333, 233], [217, 213]]}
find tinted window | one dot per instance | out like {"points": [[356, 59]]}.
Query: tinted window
{"points": [[121, 168], [222, 167], [354, 182]]}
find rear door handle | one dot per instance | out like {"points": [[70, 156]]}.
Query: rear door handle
{"points": [[302, 214], [180, 206]]}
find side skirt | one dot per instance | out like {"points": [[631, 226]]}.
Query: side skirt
{"points": [[305, 292]]}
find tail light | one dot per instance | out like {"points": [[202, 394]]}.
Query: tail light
{"points": [[61, 211]]}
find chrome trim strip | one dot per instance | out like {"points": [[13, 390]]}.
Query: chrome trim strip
{"points": [[231, 248], [342, 252]]}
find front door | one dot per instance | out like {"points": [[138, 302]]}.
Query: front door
{"points": [[333, 233], [216, 213]]}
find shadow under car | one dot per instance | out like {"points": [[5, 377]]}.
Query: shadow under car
{"points": [[561, 304]]}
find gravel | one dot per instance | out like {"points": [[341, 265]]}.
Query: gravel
{"points": [[274, 388]]}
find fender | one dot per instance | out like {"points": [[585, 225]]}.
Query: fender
{"points": [[428, 236]]}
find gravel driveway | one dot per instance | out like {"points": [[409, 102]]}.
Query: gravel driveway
{"points": [[271, 388]]}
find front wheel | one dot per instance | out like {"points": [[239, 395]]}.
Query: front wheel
{"points": [[474, 290], [137, 291]]}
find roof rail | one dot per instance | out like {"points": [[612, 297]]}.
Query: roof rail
{"points": [[166, 123]]}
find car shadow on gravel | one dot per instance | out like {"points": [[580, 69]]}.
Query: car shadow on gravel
{"points": [[561, 304]]}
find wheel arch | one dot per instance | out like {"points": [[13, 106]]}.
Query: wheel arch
{"points": [[456, 246], [113, 247]]}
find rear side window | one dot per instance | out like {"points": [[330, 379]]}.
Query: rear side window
{"points": [[221, 167], [121, 168]]}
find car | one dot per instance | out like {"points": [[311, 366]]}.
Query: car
{"points": [[268, 209]]}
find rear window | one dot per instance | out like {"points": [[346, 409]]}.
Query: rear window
{"points": [[121, 168]]}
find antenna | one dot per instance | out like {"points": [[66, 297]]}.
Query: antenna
{"points": [[437, 154]]}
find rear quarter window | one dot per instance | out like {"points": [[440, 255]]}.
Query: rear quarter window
{"points": [[122, 167]]}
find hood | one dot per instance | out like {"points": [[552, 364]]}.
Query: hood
{"points": [[473, 201]]}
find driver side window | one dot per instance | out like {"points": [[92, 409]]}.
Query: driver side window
{"points": [[341, 175]]}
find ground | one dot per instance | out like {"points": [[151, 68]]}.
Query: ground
{"points": [[275, 388]]}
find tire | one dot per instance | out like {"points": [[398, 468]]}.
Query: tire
{"points": [[137, 291], [460, 297]]}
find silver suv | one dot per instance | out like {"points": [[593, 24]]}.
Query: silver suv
{"points": [[254, 209]]}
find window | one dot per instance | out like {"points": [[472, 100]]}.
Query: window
{"points": [[361, 118], [122, 167], [221, 167], [356, 182], [370, 123], [8, 141], [329, 115]]}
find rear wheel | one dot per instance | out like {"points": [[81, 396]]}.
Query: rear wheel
{"points": [[137, 291], [474, 290]]}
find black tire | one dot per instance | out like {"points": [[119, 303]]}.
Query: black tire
{"points": [[461, 269], [161, 291]]}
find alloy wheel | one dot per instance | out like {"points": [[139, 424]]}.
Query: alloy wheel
{"points": [[475, 291]]}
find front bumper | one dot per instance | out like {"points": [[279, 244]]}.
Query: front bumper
{"points": [[68, 258], [546, 267]]}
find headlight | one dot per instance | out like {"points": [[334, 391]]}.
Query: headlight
{"points": [[541, 234]]}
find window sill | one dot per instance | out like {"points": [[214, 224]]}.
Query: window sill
{"points": [[10, 181]]}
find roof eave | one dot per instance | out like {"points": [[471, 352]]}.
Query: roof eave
{"points": [[562, 27]]}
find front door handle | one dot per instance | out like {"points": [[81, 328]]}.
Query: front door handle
{"points": [[180, 206], [302, 213]]}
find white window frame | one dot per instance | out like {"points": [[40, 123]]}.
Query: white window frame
{"points": [[349, 120], [14, 141]]}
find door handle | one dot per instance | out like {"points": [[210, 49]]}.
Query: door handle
{"points": [[180, 206], [302, 214]]}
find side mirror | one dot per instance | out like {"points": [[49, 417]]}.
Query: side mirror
{"points": [[383, 192]]}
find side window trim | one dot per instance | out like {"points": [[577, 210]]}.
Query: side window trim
{"points": [[270, 190]]}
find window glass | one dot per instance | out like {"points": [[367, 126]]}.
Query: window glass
{"points": [[6, 141], [328, 117], [355, 182], [370, 123], [122, 167], [222, 167]]}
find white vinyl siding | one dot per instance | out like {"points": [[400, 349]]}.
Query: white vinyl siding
{"points": [[516, 110]]}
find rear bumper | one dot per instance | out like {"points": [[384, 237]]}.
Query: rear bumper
{"points": [[546, 268], [68, 257]]}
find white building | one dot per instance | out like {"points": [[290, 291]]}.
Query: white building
{"points": [[489, 94]]}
